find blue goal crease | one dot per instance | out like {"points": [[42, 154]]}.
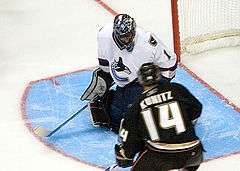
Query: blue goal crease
{"points": [[49, 105]]}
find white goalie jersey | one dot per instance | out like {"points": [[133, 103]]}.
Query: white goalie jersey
{"points": [[123, 65]]}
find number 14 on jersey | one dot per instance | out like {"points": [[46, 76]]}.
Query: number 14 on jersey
{"points": [[169, 115]]}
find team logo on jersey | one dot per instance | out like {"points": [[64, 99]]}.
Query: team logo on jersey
{"points": [[152, 41], [119, 70]]}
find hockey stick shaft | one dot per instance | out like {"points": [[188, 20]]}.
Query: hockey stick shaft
{"points": [[65, 122]]}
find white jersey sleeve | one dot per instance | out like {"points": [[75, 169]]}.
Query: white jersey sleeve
{"points": [[166, 59], [104, 46]]}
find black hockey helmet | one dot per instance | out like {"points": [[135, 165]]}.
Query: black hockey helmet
{"points": [[149, 74], [124, 29]]}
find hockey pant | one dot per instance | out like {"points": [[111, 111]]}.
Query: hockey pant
{"points": [[122, 98], [151, 160]]}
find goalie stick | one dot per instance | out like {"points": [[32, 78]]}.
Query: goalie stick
{"points": [[46, 133], [42, 132]]}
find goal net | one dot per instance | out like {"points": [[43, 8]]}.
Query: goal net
{"points": [[201, 25]]}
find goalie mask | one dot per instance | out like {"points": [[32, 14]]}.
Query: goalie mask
{"points": [[124, 30], [149, 74]]}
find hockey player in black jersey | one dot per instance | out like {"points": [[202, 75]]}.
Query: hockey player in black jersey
{"points": [[159, 126]]}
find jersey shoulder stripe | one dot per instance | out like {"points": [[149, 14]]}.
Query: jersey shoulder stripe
{"points": [[103, 62]]}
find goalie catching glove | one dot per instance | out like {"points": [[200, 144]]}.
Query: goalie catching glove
{"points": [[100, 84]]}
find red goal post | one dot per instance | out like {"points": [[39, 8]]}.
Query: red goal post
{"points": [[201, 25]]}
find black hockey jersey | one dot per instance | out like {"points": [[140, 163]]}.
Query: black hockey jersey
{"points": [[162, 115]]}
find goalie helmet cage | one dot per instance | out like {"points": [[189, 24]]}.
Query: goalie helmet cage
{"points": [[201, 25]]}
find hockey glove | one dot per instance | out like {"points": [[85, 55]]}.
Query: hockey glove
{"points": [[121, 159], [100, 84]]}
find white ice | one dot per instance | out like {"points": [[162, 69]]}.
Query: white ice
{"points": [[43, 38]]}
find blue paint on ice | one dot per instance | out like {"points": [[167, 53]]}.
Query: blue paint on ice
{"points": [[48, 105]]}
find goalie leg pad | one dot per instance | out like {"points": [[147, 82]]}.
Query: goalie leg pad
{"points": [[99, 115]]}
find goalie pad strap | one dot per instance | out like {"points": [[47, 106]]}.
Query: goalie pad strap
{"points": [[100, 84]]}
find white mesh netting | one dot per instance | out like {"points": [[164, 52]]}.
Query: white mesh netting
{"points": [[208, 24]]}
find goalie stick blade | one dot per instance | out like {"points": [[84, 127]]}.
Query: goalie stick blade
{"points": [[42, 132], [112, 168]]}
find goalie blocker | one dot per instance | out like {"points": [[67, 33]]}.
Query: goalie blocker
{"points": [[99, 95]]}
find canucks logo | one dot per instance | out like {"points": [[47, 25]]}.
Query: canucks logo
{"points": [[119, 70]]}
